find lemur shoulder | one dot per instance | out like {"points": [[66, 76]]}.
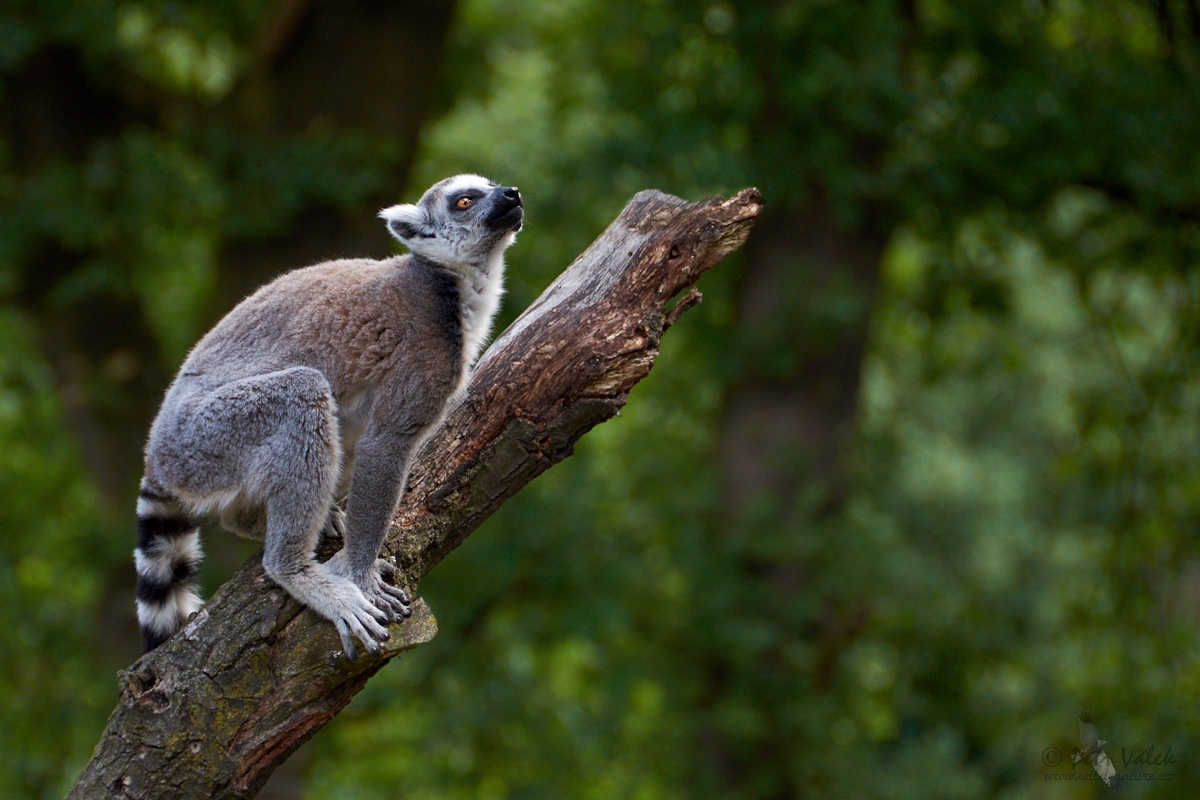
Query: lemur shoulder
{"points": [[323, 381]]}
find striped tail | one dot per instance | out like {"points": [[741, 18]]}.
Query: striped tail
{"points": [[167, 556]]}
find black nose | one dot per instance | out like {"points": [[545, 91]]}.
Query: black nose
{"points": [[511, 194]]}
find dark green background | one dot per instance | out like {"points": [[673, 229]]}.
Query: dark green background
{"points": [[916, 484]]}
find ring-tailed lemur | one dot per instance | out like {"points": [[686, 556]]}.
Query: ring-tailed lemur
{"points": [[327, 378]]}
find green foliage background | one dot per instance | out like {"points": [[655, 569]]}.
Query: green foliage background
{"points": [[1019, 539]]}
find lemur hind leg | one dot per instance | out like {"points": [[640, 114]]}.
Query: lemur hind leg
{"points": [[298, 468], [281, 432]]}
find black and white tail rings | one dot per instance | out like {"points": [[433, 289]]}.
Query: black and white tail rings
{"points": [[167, 557]]}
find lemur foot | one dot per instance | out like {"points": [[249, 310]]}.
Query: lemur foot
{"points": [[352, 612], [365, 621], [335, 523], [388, 603], [393, 600]]}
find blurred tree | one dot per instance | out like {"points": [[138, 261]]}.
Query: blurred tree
{"points": [[870, 613], [158, 161], [791, 570], [163, 154]]}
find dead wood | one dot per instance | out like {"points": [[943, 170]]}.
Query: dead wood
{"points": [[212, 712]]}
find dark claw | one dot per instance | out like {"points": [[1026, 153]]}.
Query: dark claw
{"points": [[398, 593], [347, 642]]}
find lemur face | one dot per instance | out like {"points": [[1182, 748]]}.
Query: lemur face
{"points": [[459, 221]]}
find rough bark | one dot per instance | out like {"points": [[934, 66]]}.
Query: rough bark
{"points": [[365, 66], [213, 711]]}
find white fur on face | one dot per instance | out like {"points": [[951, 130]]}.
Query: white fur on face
{"points": [[428, 229], [401, 216], [460, 183], [463, 245]]}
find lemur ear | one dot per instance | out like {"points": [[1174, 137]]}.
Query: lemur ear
{"points": [[405, 221]]}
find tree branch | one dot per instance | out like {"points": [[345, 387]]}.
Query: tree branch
{"points": [[253, 675]]}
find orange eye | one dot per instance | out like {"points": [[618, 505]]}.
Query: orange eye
{"points": [[463, 202]]}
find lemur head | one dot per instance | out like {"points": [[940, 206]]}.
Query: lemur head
{"points": [[460, 221]]}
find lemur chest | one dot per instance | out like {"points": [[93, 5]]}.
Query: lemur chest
{"points": [[390, 334], [478, 306]]}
